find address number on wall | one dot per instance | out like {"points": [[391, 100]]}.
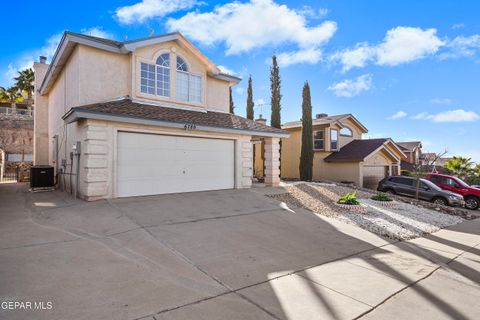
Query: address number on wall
{"points": [[190, 126]]}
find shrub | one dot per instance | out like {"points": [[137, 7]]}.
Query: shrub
{"points": [[349, 198], [406, 173], [381, 197]]}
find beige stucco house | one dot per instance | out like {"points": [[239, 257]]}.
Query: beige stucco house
{"points": [[340, 153], [142, 117]]}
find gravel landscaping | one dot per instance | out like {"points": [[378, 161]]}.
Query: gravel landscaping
{"points": [[403, 221]]}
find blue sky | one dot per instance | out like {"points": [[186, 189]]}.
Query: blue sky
{"points": [[409, 70]]}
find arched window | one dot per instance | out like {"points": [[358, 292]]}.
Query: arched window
{"points": [[155, 79], [346, 132], [189, 86]]}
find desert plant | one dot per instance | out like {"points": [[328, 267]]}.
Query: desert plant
{"points": [[381, 197], [349, 198]]}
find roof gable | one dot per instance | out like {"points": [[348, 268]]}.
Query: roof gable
{"points": [[359, 150], [329, 120], [71, 39]]}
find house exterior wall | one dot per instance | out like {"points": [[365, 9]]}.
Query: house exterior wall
{"points": [[99, 147], [40, 123], [291, 150], [103, 75], [215, 93]]}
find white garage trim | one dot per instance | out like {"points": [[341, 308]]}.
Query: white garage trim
{"points": [[182, 163]]}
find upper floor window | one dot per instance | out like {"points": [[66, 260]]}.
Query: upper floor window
{"points": [[333, 139], [189, 86], [318, 140], [155, 78], [346, 132]]}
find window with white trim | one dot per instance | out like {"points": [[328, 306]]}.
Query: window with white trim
{"points": [[319, 140], [346, 132], [155, 78], [189, 86], [333, 139]]}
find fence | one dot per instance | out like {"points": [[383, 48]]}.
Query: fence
{"points": [[10, 174], [27, 113]]}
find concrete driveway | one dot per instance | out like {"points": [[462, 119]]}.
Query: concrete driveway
{"points": [[232, 254]]}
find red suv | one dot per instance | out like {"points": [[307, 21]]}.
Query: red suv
{"points": [[457, 185]]}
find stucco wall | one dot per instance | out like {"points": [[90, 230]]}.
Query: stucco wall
{"points": [[103, 75], [98, 160], [290, 160], [40, 123], [214, 92], [218, 97]]}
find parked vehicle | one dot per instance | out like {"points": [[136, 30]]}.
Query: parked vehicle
{"points": [[457, 185], [428, 191]]}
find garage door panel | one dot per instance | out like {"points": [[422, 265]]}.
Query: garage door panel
{"points": [[155, 164], [372, 175]]}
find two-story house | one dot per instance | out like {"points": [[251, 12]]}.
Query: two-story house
{"points": [[340, 153], [142, 117], [413, 151]]}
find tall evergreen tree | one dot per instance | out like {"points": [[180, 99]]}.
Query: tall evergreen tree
{"points": [[250, 103], [232, 104], [275, 100], [306, 156]]}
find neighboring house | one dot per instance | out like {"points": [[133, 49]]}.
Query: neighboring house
{"points": [[151, 116], [340, 154], [413, 150]]}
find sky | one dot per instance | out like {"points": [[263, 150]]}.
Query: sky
{"points": [[408, 70]]}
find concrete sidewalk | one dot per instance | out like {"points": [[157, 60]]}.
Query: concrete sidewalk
{"points": [[232, 254]]}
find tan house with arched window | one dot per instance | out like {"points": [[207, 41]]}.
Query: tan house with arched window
{"points": [[142, 117], [340, 153]]}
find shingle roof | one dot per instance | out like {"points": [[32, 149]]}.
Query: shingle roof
{"points": [[325, 120], [132, 109], [98, 39], [409, 145], [357, 150]]}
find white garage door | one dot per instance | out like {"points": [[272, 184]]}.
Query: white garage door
{"points": [[150, 164], [372, 175]]}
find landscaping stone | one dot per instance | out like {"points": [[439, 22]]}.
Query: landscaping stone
{"points": [[403, 221]]}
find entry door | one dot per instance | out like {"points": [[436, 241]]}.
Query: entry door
{"points": [[149, 164]]}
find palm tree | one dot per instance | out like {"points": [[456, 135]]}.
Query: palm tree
{"points": [[25, 82], [460, 166], [11, 95]]}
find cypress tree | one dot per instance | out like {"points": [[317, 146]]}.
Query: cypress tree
{"points": [[306, 156], [275, 101], [250, 103], [232, 104]]}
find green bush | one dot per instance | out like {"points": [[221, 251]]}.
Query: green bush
{"points": [[406, 173], [381, 197], [349, 198]]}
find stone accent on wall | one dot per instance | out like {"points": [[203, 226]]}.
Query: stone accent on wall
{"points": [[272, 161], [95, 164], [246, 159]]}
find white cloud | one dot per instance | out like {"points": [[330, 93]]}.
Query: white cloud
{"points": [[458, 115], [148, 9], [226, 70], [443, 101], [259, 102], [26, 60], [350, 88], [239, 90], [462, 46], [398, 115], [312, 13], [458, 26], [311, 56], [243, 27], [97, 32], [400, 45]]}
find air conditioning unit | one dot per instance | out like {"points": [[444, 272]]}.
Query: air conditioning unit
{"points": [[42, 177]]}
